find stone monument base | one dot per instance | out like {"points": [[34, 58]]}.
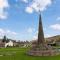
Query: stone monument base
{"points": [[42, 51]]}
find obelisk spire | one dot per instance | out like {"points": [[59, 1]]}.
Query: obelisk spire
{"points": [[40, 31]]}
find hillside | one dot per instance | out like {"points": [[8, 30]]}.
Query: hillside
{"points": [[54, 38]]}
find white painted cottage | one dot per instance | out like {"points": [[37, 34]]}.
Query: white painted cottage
{"points": [[10, 43]]}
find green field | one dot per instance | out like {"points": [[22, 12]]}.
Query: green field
{"points": [[20, 54]]}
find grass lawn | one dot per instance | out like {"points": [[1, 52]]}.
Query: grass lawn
{"points": [[19, 54]]}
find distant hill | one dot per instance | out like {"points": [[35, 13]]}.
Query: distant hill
{"points": [[54, 38]]}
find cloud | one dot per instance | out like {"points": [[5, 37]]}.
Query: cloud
{"points": [[26, 1], [3, 15], [2, 32], [7, 32], [47, 35], [35, 36], [58, 18], [3, 4], [14, 33], [29, 10], [55, 27], [37, 5], [11, 32], [30, 30]]}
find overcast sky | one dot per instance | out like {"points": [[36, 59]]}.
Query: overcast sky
{"points": [[19, 18]]}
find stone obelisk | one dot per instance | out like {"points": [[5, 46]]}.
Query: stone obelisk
{"points": [[40, 32], [41, 49]]}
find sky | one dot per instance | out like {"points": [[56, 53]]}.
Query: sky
{"points": [[19, 18]]}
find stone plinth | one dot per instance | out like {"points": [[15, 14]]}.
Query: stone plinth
{"points": [[43, 53], [43, 50]]}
